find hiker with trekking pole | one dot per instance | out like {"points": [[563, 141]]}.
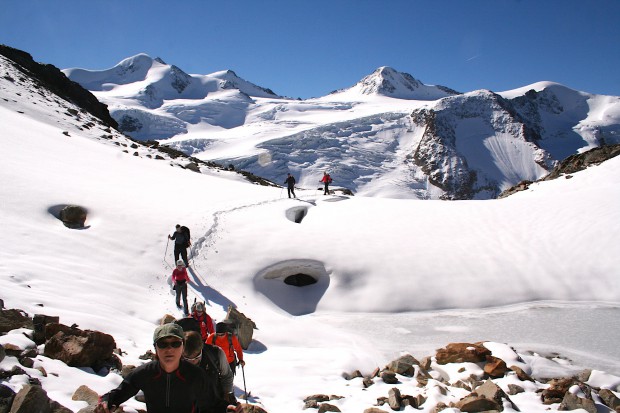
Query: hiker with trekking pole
{"points": [[182, 242]]}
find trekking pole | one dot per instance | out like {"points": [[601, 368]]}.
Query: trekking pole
{"points": [[244, 389], [281, 189], [166, 253]]}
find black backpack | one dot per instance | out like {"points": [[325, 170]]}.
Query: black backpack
{"points": [[185, 231]]}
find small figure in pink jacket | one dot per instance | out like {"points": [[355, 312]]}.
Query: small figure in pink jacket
{"points": [[180, 280]]}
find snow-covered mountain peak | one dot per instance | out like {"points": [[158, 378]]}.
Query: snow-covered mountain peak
{"points": [[386, 81]]}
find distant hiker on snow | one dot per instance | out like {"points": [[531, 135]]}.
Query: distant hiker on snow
{"points": [[169, 383], [290, 185], [180, 279], [225, 339], [213, 360], [205, 321], [326, 180], [182, 242]]}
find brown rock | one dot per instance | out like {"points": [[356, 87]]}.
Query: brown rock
{"points": [[477, 404], [14, 319], [395, 400], [610, 399], [374, 410], [79, 348], [31, 399], [326, 407], [495, 367], [85, 394], [523, 376], [462, 353]]}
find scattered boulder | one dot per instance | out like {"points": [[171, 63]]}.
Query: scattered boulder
{"points": [[556, 390], [462, 353], [609, 399], [395, 400], [353, 375], [374, 410], [495, 367], [389, 377], [492, 391], [251, 408], [34, 399], [13, 319], [523, 376], [404, 365], [86, 394], [474, 403], [39, 322], [244, 326], [326, 407], [6, 398], [81, 348], [2, 353], [73, 216], [515, 389], [573, 402]]}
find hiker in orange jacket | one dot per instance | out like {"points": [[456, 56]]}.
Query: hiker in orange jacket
{"points": [[227, 341]]}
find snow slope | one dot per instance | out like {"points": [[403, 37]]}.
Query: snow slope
{"points": [[393, 275]]}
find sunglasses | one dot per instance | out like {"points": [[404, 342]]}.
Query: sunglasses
{"points": [[193, 358], [167, 344]]}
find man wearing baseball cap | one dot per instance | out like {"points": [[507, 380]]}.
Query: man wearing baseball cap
{"points": [[169, 384]]}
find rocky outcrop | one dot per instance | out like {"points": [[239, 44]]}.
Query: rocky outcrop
{"points": [[570, 165], [244, 326], [53, 79]]}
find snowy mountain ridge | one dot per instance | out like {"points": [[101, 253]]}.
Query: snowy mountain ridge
{"points": [[450, 145]]}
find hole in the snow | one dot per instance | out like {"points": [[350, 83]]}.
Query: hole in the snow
{"points": [[297, 214], [296, 286], [300, 280]]}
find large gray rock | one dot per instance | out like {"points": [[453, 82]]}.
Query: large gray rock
{"points": [[572, 402], [31, 399], [244, 326], [395, 400]]}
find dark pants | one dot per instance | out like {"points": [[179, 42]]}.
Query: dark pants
{"points": [[291, 190], [326, 189], [181, 289], [180, 250]]}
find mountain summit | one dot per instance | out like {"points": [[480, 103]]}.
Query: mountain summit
{"points": [[386, 81]]}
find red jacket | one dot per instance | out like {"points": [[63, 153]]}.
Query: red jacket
{"points": [[179, 275], [229, 343], [206, 324], [327, 179]]}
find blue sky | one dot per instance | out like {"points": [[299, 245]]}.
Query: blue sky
{"points": [[304, 49]]}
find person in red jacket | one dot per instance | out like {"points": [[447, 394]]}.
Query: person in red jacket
{"points": [[180, 280], [228, 342], [204, 320], [326, 180]]}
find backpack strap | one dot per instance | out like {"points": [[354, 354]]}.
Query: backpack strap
{"points": [[212, 363]]}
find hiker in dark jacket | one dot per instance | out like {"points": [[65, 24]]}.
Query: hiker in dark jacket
{"points": [[290, 185], [213, 360], [169, 384], [181, 243]]}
